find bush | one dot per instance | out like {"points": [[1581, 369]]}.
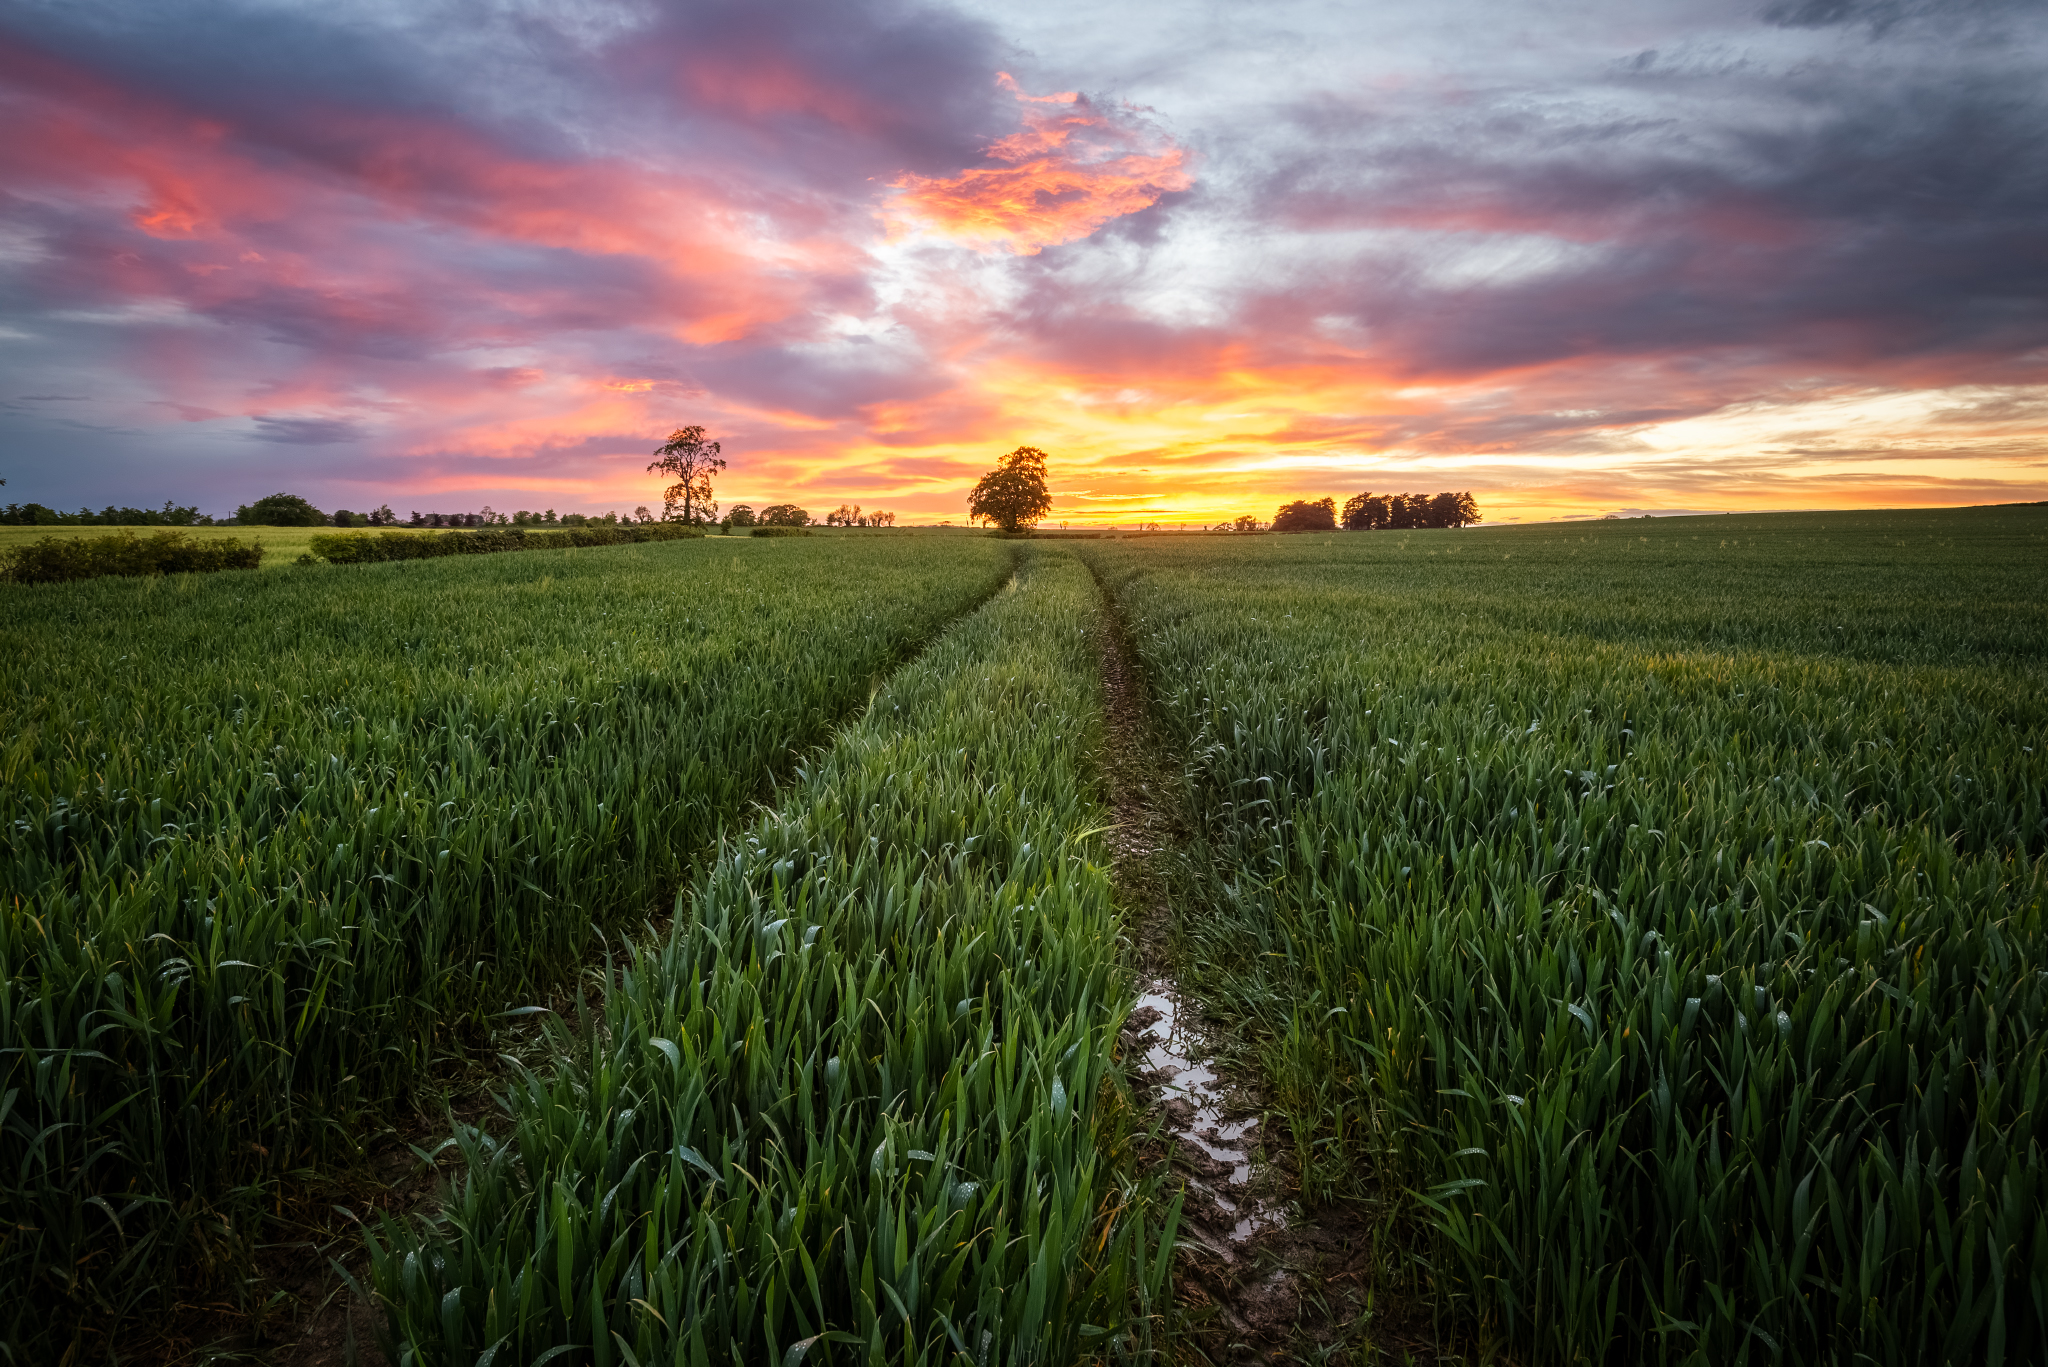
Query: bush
{"points": [[53, 560], [779, 530], [363, 548]]}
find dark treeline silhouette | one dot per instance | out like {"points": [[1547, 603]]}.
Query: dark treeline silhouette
{"points": [[851, 515], [1307, 515], [1370, 513], [1400, 512], [36, 515]]}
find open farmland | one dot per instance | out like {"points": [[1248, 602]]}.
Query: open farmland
{"points": [[1643, 921], [274, 842], [1636, 929]]}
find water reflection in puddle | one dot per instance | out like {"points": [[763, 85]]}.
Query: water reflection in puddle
{"points": [[1171, 1050]]}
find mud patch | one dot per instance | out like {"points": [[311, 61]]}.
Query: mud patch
{"points": [[1166, 1053]]}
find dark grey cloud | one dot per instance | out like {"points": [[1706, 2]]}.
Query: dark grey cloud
{"points": [[797, 90], [306, 431], [1882, 16], [1827, 215]]}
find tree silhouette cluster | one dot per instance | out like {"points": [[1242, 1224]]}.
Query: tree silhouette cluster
{"points": [[1401, 512], [850, 515], [1306, 515], [36, 515]]}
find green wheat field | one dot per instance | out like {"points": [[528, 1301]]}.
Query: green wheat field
{"points": [[1642, 924]]}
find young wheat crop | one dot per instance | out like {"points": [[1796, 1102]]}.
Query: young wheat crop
{"points": [[272, 843], [854, 1107], [1664, 915]]}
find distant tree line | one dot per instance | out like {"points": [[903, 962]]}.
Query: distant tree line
{"points": [[36, 515], [1370, 513], [774, 515], [1400, 512], [290, 510], [850, 515]]}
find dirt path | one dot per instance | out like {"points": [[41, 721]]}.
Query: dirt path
{"points": [[1258, 1279], [1240, 1301]]}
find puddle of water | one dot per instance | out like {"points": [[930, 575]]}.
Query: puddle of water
{"points": [[1172, 1049]]}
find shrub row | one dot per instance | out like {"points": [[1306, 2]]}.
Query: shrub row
{"points": [[55, 560], [362, 548], [778, 530]]}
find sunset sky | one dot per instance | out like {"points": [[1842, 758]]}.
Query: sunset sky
{"points": [[1578, 258]]}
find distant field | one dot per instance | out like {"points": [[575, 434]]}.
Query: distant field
{"points": [[284, 545]]}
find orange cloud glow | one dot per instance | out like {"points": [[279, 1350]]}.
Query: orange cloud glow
{"points": [[1068, 171], [822, 230]]}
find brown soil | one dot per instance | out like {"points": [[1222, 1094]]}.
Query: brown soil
{"points": [[1306, 1288]]}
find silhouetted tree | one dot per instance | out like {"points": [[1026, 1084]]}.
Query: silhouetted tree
{"points": [[1319, 515], [1013, 495], [784, 515], [691, 461], [1397, 512]]}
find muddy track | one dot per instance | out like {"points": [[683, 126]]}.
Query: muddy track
{"points": [[1257, 1279], [1238, 1302]]}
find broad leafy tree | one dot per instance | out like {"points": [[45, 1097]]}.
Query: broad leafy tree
{"points": [[280, 510], [1013, 495], [1307, 515], [688, 459], [784, 515]]}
